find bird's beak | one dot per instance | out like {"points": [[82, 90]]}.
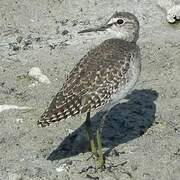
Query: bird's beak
{"points": [[100, 28]]}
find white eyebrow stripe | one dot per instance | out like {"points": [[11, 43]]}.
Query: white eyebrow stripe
{"points": [[113, 20]]}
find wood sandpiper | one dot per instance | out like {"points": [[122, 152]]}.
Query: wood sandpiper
{"points": [[104, 76]]}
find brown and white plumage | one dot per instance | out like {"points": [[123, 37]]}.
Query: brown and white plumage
{"points": [[111, 68]]}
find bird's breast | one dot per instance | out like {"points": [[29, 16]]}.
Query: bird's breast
{"points": [[130, 79]]}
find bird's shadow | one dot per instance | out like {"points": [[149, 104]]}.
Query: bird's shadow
{"points": [[126, 121]]}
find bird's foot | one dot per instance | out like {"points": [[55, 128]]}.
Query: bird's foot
{"points": [[100, 162]]}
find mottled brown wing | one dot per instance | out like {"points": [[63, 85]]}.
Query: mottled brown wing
{"points": [[91, 83]]}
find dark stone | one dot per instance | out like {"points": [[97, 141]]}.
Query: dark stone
{"points": [[65, 32]]}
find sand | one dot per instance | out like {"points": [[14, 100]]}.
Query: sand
{"points": [[141, 136]]}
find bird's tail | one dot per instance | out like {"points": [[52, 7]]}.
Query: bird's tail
{"points": [[58, 110]]}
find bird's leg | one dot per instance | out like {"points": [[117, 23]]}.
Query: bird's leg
{"points": [[102, 120], [96, 143], [101, 160], [90, 135]]}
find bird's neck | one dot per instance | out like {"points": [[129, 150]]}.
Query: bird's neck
{"points": [[126, 36], [130, 37]]}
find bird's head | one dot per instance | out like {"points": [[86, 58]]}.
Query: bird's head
{"points": [[123, 25]]}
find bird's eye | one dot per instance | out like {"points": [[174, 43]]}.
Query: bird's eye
{"points": [[120, 21]]}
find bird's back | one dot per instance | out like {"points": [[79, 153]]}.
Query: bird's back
{"points": [[92, 81]]}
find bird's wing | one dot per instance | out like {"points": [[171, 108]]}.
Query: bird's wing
{"points": [[91, 83]]}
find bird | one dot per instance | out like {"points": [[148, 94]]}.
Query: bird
{"points": [[102, 77]]}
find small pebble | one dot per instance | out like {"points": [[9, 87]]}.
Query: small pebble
{"points": [[19, 39], [64, 22], [16, 47], [36, 73], [65, 32]]}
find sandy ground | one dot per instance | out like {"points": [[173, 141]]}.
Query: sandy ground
{"points": [[141, 136]]}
